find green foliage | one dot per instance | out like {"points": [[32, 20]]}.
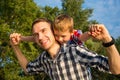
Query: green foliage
{"points": [[2, 74], [50, 13], [92, 45], [18, 15]]}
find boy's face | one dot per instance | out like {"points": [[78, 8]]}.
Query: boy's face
{"points": [[62, 37]]}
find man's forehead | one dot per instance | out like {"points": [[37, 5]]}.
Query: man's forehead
{"points": [[41, 25]]}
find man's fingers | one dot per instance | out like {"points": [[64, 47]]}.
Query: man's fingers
{"points": [[15, 38], [95, 27]]}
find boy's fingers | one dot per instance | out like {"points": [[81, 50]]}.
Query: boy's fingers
{"points": [[94, 34], [89, 33]]}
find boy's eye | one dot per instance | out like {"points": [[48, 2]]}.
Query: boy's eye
{"points": [[63, 36], [56, 35]]}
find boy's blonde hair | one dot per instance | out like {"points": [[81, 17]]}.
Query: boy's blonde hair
{"points": [[63, 23]]}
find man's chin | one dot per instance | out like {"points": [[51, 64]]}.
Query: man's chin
{"points": [[45, 47]]}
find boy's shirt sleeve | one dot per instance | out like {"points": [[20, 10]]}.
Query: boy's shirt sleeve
{"points": [[75, 37]]}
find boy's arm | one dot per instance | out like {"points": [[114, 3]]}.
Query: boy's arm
{"points": [[84, 37], [27, 38]]}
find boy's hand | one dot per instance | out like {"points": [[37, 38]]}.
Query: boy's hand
{"points": [[15, 38]]}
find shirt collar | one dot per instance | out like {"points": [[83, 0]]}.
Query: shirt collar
{"points": [[63, 49]]}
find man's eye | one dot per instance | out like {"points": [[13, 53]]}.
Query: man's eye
{"points": [[35, 34], [44, 30]]}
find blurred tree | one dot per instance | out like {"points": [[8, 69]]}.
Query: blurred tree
{"points": [[2, 75], [50, 13], [75, 10], [16, 16]]}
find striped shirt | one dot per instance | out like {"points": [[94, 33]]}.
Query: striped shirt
{"points": [[72, 63]]}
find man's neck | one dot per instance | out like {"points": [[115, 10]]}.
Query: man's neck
{"points": [[53, 51]]}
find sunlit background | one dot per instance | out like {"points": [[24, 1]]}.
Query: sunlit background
{"points": [[106, 12]]}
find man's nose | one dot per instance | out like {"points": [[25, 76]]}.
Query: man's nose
{"points": [[40, 36]]}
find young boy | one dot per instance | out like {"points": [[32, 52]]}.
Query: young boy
{"points": [[64, 31]]}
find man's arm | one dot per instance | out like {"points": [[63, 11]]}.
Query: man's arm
{"points": [[99, 32], [114, 59], [14, 41]]}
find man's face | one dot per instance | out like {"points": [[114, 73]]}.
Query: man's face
{"points": [[62, 37], [43, 35]]}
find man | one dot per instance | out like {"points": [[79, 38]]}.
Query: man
{"points": [[69, 61]]}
